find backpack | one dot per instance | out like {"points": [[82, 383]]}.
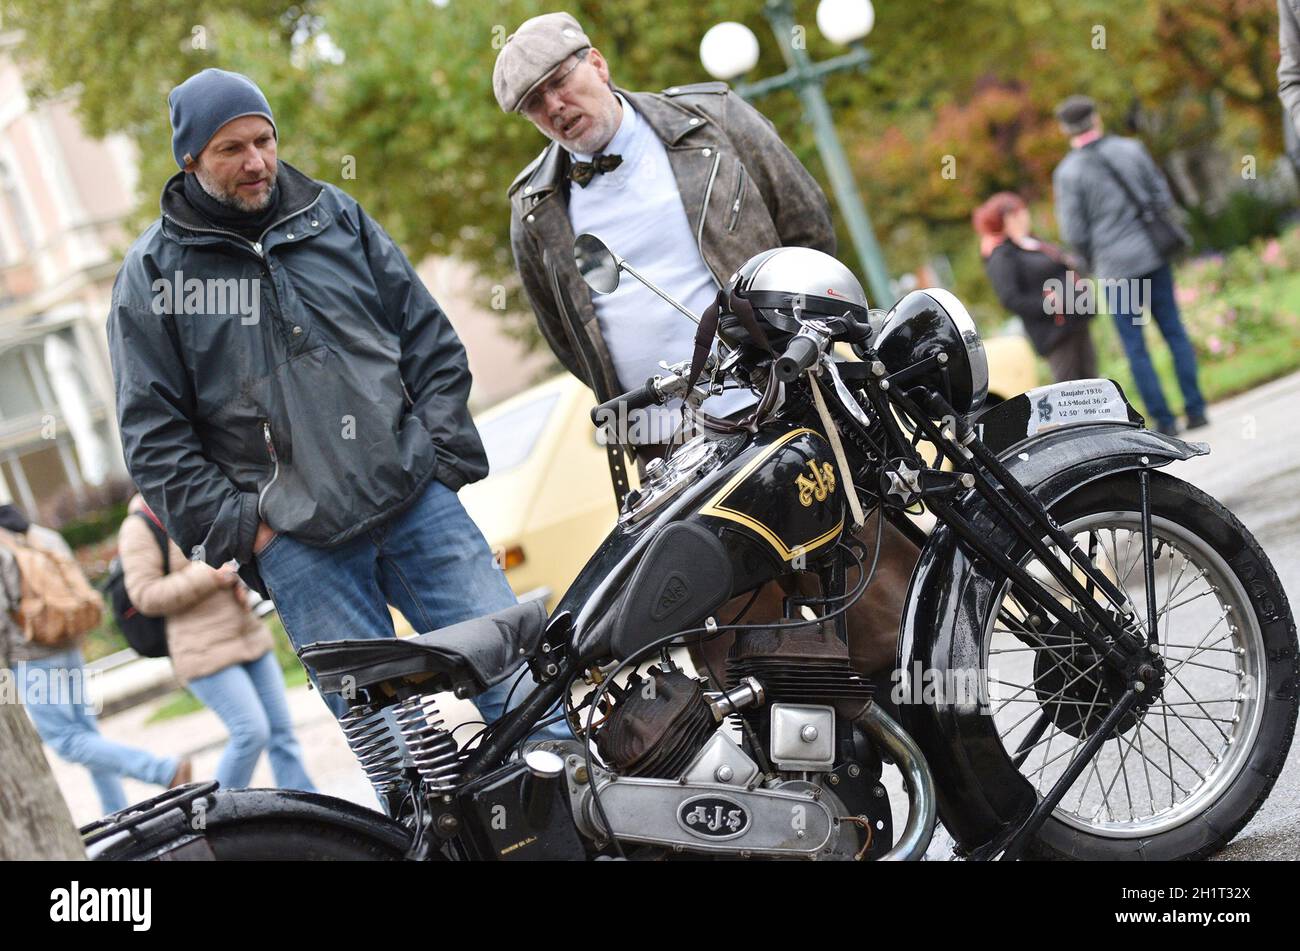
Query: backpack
{"points": [[57, 605], [147, 636]]}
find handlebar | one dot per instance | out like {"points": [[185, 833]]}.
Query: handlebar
{"points": [[639, 398], [801, 354]]}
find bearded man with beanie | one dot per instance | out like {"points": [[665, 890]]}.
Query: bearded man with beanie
{"points": [[289, 394]]}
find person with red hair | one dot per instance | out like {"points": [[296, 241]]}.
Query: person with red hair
{"points": [[1030, 276]]}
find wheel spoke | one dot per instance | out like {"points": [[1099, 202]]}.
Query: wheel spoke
{"points": [[1175, 752]]}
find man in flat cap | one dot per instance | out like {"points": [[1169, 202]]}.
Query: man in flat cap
{"points": [[687, 184], [1113, 204], [290, 396]]}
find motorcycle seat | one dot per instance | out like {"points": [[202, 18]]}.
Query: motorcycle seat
{"points": [[469, 657]]}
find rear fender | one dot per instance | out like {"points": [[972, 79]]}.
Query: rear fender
{"points": [[181, 832]]}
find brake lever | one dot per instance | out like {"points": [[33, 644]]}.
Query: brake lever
{"points": [[845, 397]]}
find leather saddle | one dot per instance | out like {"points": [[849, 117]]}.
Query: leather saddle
{"points": [[468, 657]]}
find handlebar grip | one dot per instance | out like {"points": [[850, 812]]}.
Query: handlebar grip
{"points": [[633, 399], [801, 354]]}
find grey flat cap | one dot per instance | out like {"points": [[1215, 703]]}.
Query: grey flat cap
{"points": [[1076, 113], [531, 52]]}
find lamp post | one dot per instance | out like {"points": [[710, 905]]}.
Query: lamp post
{"points": [[729, 50]]}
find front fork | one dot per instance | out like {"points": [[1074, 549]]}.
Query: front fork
{"points": [[1135, 660]]}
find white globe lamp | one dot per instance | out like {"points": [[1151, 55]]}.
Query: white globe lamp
{"points": [[845, 21], [728, 50]]}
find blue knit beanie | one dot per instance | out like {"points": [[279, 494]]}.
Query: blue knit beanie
{"points": [[204, 103]]}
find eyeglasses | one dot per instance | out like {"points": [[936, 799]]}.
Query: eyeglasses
{"points": [[537, 98]]}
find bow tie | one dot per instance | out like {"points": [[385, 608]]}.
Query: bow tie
{"points": [[584, 172]]}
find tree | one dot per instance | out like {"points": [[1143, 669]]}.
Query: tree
{"points": [[34, 819], [392, 99]]}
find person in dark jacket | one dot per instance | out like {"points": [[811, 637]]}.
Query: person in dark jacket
{"points": [[289, 394], [1032, 279]]}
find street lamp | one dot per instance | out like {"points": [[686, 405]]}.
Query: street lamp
{"points": [[729, 50]]}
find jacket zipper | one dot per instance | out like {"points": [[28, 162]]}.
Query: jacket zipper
{"points": [[255, 245], [735, 204], [708, 191], [275, 460]]}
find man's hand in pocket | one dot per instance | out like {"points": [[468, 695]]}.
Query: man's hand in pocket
{"points": [[263, 538]]}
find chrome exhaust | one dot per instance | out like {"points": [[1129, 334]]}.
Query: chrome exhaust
{"points": [[922, 807]]}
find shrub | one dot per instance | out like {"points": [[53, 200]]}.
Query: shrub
{"points": [[1246, 215]]}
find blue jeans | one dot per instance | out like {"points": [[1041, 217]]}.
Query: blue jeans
{"points": [[65, 721], [1164, 308], [430, 562], [250, 700]]}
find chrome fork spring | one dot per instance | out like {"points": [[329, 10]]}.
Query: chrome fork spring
{"points": [[374, 745], [431, 747]]}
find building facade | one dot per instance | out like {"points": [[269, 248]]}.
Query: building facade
{"points": [[63, 196]]}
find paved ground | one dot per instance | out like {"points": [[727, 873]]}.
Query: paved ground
{"points": [[1254, 469]]}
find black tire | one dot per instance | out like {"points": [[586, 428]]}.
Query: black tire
{"points": [[297, 840], [1208, 830], [253, 825]]}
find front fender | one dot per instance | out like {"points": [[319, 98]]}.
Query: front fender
{"points": [[980, 792]]}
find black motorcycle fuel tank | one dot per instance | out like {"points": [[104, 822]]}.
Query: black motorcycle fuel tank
{"points": [[723, 515]]}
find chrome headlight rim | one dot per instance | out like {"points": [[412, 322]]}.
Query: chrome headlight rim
{"points": [[976, 357]]}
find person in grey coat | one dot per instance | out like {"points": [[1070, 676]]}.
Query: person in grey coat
{"points": [[1096, 215], [290, 396], [1288, 67]]}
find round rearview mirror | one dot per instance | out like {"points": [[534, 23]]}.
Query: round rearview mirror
{"points": [[598, 265]]}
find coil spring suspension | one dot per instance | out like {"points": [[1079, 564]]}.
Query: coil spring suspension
{"points": [[431, 747], [375, 746]]}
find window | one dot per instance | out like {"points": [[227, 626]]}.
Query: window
{"points": [[17, 209], [18, 395], [509, 438]]}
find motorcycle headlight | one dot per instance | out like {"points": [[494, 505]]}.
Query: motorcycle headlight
{"points": [[931, 321]]}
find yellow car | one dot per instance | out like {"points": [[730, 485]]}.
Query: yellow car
{"points": [[548, 503]]}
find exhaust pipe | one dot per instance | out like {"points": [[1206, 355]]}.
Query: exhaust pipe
{"points": [[922, 807]]}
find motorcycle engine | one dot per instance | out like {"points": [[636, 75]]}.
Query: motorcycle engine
{"points": [[658, 725], [663, 726], [806, 664]]}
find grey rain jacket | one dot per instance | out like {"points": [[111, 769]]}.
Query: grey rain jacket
{"points": [[1097, 218], [327, 414]]}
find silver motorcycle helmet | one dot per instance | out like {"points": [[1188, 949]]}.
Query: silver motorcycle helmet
{"points": [[787, 285]]}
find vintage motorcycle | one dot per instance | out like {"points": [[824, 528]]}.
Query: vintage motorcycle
{"points": [[1096, 661]]}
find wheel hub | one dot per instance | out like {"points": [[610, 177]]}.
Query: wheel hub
{"points": [[1077, 691]]}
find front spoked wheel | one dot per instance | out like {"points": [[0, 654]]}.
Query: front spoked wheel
{"points": [[1184, 771]]}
